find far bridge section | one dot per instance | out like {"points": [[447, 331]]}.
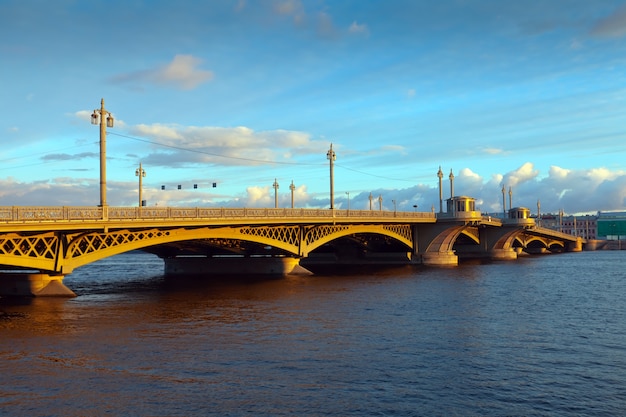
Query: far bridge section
{"points": [[40, 245]]}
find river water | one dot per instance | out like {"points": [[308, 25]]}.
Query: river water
{"points": [[542, 335]]}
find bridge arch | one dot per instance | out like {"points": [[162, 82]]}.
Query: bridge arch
{"points": [[85, 248], [318, 236]]}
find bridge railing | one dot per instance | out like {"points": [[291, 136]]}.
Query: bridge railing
{"points": [[68, 213]]}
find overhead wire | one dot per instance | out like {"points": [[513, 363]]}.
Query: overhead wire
{"points": [[252, 159], [44, 162], [180, 148]]}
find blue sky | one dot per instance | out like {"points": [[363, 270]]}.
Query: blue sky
{"points": [[530, 95]]}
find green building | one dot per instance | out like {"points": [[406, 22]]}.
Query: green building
{"points": [[612, 225]]}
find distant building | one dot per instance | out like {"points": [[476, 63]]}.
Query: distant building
{"points": [[549, 221], [612, 225], [581, 226]]}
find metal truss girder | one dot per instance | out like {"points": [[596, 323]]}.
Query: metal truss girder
{"points": [[316, 236], [62, 252], [37, 246], [89, 243], [286, 234], [404, 231]]}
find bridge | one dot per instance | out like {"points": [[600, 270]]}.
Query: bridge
{"points": [[41, 245]]}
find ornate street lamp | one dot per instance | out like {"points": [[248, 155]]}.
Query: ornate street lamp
{"points": [[140, 172], [440, 176], [275, 185], [538, 212], [451, 177], [330, 155], [292, 188], [105, 119]]}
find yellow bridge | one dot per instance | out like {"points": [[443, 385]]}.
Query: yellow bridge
{"points": [[40, 245]]}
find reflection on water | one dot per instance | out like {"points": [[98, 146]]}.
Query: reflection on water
{"points": [[540, 336]]}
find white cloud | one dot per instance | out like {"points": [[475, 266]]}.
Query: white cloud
{"points": [[258, 197], [394, 148], [325, 25], [157, 131], [523, 174], [240, 145], [557, 172], [182, 73], [468, 173], [288, 7], [613, 25], [493, 151], [291, 8], [573, 190], [360, 29], [241, 5]]}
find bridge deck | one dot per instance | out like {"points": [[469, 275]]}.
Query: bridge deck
{"points": [[82, 218]]}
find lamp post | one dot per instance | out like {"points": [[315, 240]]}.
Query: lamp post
{"points": [[140, 172], [105, 119], [451, 177], [292, 188], [440, 176], [275, 185], [371, 198], [348, 194], [503, 201], [380, 202], [394, 207], [538, 212], [331, 156]]}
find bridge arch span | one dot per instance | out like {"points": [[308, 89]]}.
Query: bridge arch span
{"points": [[84, 248], [537, 244], [320, 235]]}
